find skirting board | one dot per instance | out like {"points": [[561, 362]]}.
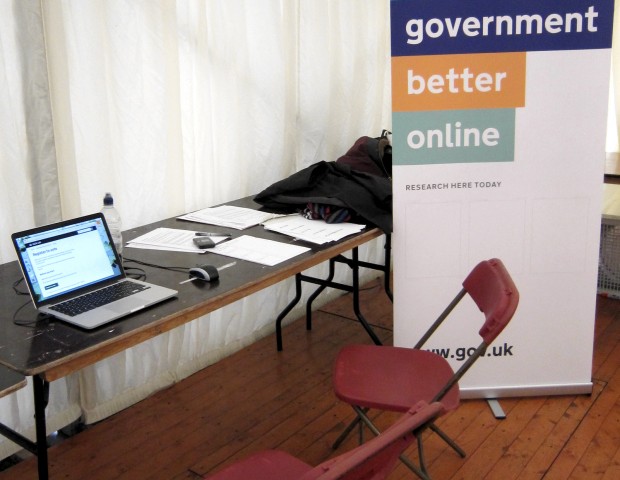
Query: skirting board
{"points": [[527, 391]]}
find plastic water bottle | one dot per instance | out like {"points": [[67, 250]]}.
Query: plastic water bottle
{"points": [[113, 219]]}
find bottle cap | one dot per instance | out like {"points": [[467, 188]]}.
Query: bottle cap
{"points": [[108, 200]]}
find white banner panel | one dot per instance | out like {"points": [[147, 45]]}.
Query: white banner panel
{"points": [[499, 121]]}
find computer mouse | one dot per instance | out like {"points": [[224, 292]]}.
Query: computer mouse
{"points": [[208, 273]]}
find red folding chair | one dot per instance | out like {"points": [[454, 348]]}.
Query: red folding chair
{"points": [[392, 378], [374, 460]]}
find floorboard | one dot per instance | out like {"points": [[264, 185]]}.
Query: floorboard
{"points": [[259, 398]]}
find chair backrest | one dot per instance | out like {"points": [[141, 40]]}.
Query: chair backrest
{"points": [[489, 284], [375, 459]]}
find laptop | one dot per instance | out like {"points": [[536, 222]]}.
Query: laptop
{"points": [[74, 273]]}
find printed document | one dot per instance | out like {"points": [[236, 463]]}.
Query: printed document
{"points": [[246, 247], [314, 231], [170, 239], [258, 250], [229, 216]]}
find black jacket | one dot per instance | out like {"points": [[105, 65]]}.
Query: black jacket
{"points": [[331, 183]]}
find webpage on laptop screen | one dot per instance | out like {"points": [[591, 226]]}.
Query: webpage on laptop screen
{"points": [[67, 258]]}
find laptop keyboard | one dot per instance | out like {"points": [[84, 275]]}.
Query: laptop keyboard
{"points": [[98, 298]]}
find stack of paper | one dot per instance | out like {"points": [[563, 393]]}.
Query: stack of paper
{"points": [[229, 216], [315, 231], [170, 239]]}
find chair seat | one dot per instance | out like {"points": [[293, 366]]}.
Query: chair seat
{"points": [[265, 465], [391, 378]]}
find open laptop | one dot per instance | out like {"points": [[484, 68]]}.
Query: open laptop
{"points": [[68, 263]]}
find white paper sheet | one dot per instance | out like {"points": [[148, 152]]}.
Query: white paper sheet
{"points": [[258, 250], [229, 216], [170, 239], [314, 231]]}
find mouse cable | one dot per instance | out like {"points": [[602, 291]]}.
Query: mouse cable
{"points": [[154, 265]]}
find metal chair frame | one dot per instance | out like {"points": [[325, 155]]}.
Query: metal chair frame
{"points": [[489, 332]]}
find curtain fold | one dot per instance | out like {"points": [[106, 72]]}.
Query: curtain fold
{"points": [[170, 106], [344, 76], [29, 192], [115, 83]]}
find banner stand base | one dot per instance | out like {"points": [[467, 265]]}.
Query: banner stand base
{"points": [[526, 391], [496, 408]]}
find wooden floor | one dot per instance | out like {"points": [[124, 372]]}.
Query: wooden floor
{"points": [[260, 399]]}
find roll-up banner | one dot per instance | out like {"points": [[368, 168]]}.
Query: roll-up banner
{"points": [[499, 124]]}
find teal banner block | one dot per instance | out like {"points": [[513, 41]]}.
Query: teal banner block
{"points": [[453, 136]]}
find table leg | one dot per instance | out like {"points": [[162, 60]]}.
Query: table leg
{"points": [[41, 392], [354, 264], [317, 292], [287, 309], [355, 267], [387, 263]]}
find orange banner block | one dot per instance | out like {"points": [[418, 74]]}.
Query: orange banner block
{"points": [[458, 82]]}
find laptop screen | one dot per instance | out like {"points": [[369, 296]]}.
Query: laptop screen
{"points": [[65, 257]]}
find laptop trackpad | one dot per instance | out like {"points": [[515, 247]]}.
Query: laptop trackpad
{"points": [[126, 305]]}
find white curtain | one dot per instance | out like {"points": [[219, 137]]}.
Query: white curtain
{"points": [[29, 192], [29, 187], [173, 106]]}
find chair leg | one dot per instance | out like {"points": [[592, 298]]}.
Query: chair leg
{"points": [[360, 436], [448, 440], [346, 432], [421, 452], [419, 471]]}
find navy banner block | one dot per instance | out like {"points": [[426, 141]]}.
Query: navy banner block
{"points": [[433, 27]]}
